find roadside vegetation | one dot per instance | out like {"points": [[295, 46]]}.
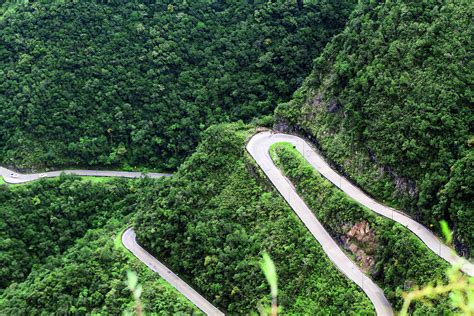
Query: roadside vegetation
{"points": [[83, 178], [89, 277], [44, 218], [393, 256], [99, 179], [459, 288]]}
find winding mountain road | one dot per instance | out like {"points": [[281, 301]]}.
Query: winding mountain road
{"points": [[258, 147]]}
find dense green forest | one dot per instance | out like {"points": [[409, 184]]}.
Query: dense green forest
{"points": [[66, 241], [390, 102], [393, 256], [383, 89], [99, 83], [211, 221]]}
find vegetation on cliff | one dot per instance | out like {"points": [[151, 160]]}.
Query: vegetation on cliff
{"points": [[392, 255], [390, 102]]}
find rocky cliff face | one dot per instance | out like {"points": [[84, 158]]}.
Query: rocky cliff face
{"points": [[361, 241]]}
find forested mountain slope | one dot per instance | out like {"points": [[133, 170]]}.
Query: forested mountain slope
{"points": [[98, 83], [111, 83], [211, 221], [390, 102], [58, 255], [45, 218], [391, 254]]}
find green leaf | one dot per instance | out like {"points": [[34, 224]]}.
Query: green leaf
{"points": [[446, 231]]}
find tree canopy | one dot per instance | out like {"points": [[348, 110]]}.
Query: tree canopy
{"points": [[60, 250], [135, 82]]}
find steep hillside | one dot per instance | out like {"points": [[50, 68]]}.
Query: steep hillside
{"points": [[45, 218], [391, 254], [214, 218], [90, 277], [99, 83], [390, 102]]}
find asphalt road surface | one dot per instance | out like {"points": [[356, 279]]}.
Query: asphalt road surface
{"points": [[259, 146], [13, 177], [130, 242]]}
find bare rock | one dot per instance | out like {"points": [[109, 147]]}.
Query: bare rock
{"points": [[361, 241], [261, 129], [316, 101], [406, 185], [402, 184], [353, 248]]}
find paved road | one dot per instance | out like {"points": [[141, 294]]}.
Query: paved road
{"points": [[128, 237], [14, 178], [130, 242]]}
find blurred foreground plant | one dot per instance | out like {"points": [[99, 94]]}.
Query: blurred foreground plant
{"points": [[132, 282], [268, 268]]}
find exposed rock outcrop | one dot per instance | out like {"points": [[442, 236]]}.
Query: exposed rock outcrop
{"points": [[361, 241]]}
